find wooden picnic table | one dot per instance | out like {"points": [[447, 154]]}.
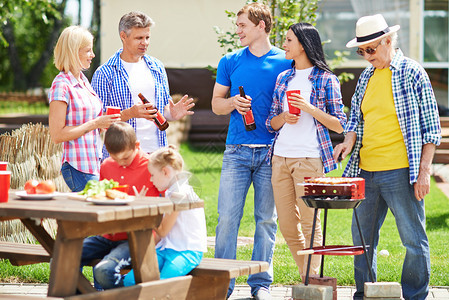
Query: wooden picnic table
{"points": [[78, 219]]}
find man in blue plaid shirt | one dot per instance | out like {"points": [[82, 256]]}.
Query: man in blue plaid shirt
{"points": [[393, 130], [129, 72]]}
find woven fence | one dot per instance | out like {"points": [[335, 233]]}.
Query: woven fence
{"points": [[30, 154]]}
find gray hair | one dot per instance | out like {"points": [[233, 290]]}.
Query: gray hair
{"points": [[134, 19], [393, 38]]}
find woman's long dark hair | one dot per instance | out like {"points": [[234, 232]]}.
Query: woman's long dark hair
{"points": [[310, 39]]}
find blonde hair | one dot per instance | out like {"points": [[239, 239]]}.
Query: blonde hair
{"points": [[167, 156], [66, 52]]}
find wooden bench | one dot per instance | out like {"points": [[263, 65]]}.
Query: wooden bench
{"points": [[212, 277], [23, 254], [209, 280]]}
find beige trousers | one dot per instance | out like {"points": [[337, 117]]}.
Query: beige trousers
{"points": [[295, 218]]}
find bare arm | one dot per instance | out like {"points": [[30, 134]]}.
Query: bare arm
{"points": [[324, 118], [285, 117], [59, 132], [220, 104], [224, 106], [167, 224], [422, 185]]}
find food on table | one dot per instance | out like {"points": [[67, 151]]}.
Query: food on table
{"points": [[329, 180], [115, 194], [123, 188], [30, 186], [98, 188], [33, 186]]}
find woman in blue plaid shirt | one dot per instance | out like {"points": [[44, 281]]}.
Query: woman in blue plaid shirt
{"points": [[302, 146]]}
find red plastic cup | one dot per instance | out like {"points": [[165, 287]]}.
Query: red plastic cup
{"points": [[3, 165], [291, 109], [5, 183], [112, 110]]}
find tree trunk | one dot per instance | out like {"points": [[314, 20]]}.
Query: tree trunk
{"points": [[33, 77], [95, 27], [19, 81]]}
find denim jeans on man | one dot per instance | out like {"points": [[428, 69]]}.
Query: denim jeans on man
{"points": [[75, 179], [391, 189], [241, 166], [114, 256]]}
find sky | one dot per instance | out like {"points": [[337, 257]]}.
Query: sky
{"points": [[86, 15]]}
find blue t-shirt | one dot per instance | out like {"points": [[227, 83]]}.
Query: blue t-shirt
{"points": [[258, 76]]}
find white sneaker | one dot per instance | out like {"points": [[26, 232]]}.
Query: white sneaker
{"points": [[262, 294]]}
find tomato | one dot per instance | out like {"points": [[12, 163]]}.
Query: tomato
{"points": [[121, 188], [45, 187], [30, 186]]}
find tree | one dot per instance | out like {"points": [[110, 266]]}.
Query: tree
{"points": [[30, 31]]}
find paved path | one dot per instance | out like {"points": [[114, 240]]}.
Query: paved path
{"points": [[241, 292]]}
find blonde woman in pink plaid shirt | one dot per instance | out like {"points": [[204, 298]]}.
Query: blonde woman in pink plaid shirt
{"points": [[75, 117]]}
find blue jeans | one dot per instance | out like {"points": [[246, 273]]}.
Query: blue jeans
{"points": [[76, 180], [171, 264], [391, 190], [241, 166], [114, 256]]}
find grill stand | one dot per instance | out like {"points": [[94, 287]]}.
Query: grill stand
{"points": [[324, 243]]}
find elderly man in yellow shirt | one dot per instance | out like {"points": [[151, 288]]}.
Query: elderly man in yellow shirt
{"points": [[393, 130]]}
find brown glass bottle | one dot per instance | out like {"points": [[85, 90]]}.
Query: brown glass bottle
{"points": [[160, 120], [248, 119]]}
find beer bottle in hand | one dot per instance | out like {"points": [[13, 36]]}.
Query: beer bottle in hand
{"points": [[160, 120], [248, 119]]}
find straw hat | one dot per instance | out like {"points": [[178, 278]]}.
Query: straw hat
{"points": [[369, 29]]}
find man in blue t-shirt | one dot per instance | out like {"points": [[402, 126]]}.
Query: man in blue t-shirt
{"points": [[255, 67]]}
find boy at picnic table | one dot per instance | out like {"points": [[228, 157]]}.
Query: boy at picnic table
{"points": [[127, 165]]}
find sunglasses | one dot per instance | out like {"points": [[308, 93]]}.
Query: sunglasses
{"points": [[369, 51]]}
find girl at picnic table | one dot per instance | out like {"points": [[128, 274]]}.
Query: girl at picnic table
{"points": [[75, 117], [183, 236]]}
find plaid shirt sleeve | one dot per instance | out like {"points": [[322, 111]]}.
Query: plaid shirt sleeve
{"points": [[278, 95]]}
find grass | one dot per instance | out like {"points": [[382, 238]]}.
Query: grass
{"points": [[205, 164], [35, 108]]}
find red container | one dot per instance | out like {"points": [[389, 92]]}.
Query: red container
{"points": [[5, 182], [112, 110], [291, 109], [343, 187], [3, 165]]}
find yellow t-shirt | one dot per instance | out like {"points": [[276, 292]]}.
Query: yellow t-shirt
{"points": [[383, 146]]}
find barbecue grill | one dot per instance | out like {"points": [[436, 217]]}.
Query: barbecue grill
{"points": [[333, 193]]}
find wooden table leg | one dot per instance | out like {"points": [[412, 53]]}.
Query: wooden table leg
{"points": [[39, 232], [64, 269], [143, 255]]}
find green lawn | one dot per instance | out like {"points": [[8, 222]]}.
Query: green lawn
{"points": [[35, 108], [205, 164]]}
